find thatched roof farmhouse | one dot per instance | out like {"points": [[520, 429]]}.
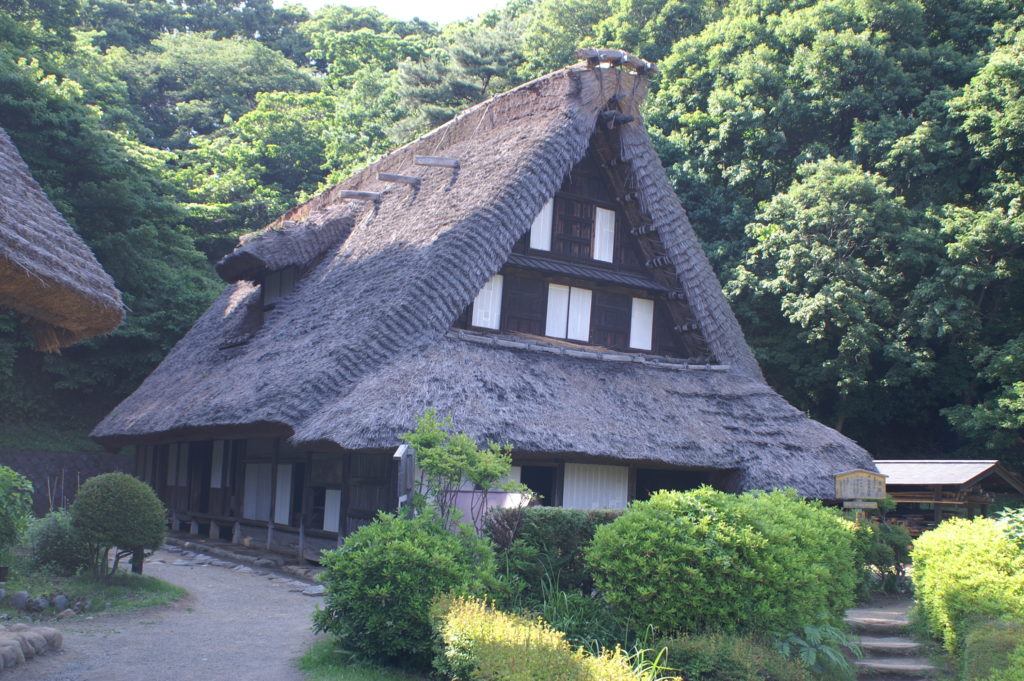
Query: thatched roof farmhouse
{"points": [[47, 273], [526, 268]]}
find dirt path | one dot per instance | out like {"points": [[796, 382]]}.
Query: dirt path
{"points": [[235, 625]]}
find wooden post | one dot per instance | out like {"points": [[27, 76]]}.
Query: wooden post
{"points": [[214, 529], [236, 533], [273, 492], [193, 527], [304, 514]]}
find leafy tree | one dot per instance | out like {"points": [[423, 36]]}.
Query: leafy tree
{"points": [[255, 168], [191, 83], [447, 459], [838, 255]]}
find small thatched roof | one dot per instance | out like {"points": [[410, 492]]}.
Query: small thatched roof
{"points": [[365, 342], [47, 273]]}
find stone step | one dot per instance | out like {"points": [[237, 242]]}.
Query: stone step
{"points": [[902, 667], [888, 645], [879, 621]]}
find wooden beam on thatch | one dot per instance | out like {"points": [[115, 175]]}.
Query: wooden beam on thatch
{"points": [[613, 118], [359, 196], [437, 161], [594, 57], [404, 179]]}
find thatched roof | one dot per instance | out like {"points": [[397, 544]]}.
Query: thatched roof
{"points": [[365, 342], [47, 273]]}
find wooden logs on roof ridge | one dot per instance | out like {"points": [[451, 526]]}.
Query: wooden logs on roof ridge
{"points": [[404, 179], [359, 196], [437, 161], [595, 57]]}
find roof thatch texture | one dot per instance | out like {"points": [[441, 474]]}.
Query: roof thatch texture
{"points": [[364, 343], [47, 273]]}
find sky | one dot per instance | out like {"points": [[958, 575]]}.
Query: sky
{"points": [[442, 11]]}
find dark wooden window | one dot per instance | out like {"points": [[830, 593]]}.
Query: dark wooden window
{"points": [[627, 251], [573, 230], [666, 338], [609, 319], [524, 305]]}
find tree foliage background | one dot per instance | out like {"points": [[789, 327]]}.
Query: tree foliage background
{"points": [[853, 167]]}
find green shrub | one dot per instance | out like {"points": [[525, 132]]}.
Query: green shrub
{"points": [[885, 550], [965, 572], [118, 510], [703, 560], [988, 648], [1014, 669], [381, 581], [15, 506], [56, 546], [1011, 521], [729, 657], [479, 643], [541, 545]]}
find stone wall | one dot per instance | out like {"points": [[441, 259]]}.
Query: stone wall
{"points": [[56, 476]]}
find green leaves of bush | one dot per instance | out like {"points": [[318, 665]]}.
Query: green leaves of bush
{"points": [[707, 560], [116, 509], [380, 583], [966, 571], [15, 506], [56, 546]]}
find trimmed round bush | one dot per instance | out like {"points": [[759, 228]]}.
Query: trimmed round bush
{"points": [[381, 581], [56, 546], [116, 509], [965, 572], [704, 560]]}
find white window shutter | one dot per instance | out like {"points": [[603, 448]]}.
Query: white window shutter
{"points": [[558, 311], [332, 510], [487, 306], [579, 314], [604, 235], [540, 231], [217, 464], [641, 324], [283, 500]]}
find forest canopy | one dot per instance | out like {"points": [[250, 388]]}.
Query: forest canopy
{"points": [[853, 168]]}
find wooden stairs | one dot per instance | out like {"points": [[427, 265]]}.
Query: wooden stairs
{"points": [[889, 652]]}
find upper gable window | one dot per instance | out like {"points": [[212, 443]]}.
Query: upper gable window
{"points": [[540, 231], [277, 285], [578, 230]]}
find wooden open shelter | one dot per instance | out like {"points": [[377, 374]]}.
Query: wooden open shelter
{"points": [[928, 490]]}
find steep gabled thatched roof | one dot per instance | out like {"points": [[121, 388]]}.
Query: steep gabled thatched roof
{"points": [[47, 273], [364, 343]]}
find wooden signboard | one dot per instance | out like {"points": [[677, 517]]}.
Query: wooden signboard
{"points": [[860, 485], [860, 504]]}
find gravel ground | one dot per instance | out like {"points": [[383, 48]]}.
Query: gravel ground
{"points": [[235, 625]]}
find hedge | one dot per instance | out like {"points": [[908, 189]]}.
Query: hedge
{"points": [[545, 542], [967, 572], [704, 560]]}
